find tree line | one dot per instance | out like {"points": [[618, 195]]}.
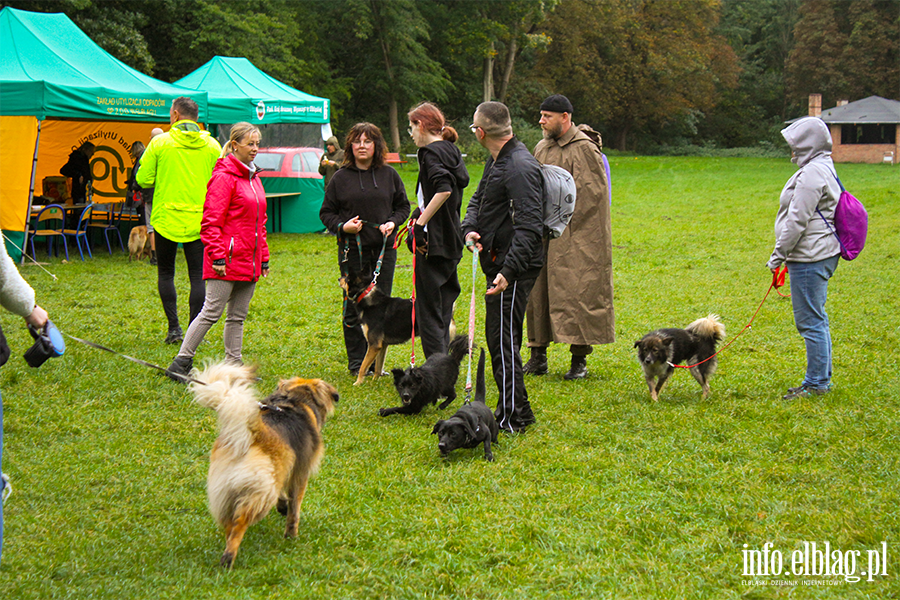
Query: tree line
{"points": [[724, 73]]}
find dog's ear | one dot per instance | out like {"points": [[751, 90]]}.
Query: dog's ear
{"points": [[668, 341], [438, 426], [416, 376], [398, 375], [637, 343], [472, 426]]}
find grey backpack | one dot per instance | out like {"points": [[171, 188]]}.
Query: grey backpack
{"points": [[559, 199]]}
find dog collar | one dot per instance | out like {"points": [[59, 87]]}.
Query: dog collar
{"points": [[365, 292]]}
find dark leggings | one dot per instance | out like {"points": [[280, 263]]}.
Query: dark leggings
{"points": [[166, 251]]}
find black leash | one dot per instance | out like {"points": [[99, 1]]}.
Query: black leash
{"points": [[184, 378]]}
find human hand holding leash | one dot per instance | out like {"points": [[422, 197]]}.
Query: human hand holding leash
{"points": [[386, 228], [472, 241], [500, 283], [37, 318], [354, 225], [219, 269]]}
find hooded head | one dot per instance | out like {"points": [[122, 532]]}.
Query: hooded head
{"points": [[808, 138]]}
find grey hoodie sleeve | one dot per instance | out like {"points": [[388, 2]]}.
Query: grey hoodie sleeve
{"points": [[16, 295]]}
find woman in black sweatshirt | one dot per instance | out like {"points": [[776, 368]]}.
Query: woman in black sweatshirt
{"points": [[365, 202], [439, 241]]}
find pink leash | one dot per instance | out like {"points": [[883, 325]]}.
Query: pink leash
{"points": [[471, 326]]}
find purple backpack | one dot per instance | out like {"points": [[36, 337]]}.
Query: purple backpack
{"points": [[851, 222]]}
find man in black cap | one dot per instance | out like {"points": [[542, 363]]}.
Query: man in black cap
{"points": [[572, 299]]}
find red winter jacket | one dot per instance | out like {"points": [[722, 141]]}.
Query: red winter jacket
{"points": [[234, 222]]}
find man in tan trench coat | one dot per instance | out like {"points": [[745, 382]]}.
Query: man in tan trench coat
{"points": [[572, 299]]}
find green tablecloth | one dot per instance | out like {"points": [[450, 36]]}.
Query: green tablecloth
{"points": [[294, 213]]}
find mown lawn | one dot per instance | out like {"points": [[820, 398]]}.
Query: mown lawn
{"points": [[608, 496]]}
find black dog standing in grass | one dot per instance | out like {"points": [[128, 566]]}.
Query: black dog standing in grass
{"points": [[472, 424], [421, 386]]}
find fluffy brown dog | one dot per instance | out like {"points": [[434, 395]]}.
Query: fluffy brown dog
{"points": [[138, 243], [660, 350], [265, 450]]}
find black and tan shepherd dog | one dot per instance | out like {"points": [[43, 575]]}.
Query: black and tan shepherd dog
{"points": [[473, 423], [662, 348], [385, 321], [420, 386], [266, 451]]}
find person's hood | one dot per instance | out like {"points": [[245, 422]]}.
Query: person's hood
{"points": [[450, 158], [338, 153], [808, 138], [188, 134], [231, 165]]}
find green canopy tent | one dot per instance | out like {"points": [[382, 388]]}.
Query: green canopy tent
{"points": [[52, 73], [239, 91]]}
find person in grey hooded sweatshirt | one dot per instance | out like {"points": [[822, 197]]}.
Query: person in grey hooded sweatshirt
{"points": [[804, 242]]}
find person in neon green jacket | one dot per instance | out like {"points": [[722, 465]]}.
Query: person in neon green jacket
{"points": [[178, 164]]}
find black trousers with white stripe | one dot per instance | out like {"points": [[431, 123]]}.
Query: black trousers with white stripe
{"points": [[504, 316]]}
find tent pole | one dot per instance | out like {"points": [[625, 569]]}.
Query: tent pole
{"points": [[37, 143]]}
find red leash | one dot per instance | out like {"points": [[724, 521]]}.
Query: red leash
{"points": [[777, 282], [412, 355]]}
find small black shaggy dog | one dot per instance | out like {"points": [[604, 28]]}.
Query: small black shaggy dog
{"points": [[420, 386], [473, 423]]}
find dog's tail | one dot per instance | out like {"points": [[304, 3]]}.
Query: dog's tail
{"points": [[708, 327], [480, 393], [459, 347], [229, 390]]}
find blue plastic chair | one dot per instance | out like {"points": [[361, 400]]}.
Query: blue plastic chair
{"points": [[80, 232], [111, 223], [50, 224]]}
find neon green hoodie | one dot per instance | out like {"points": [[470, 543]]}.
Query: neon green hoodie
{"points": [[178, 164]]}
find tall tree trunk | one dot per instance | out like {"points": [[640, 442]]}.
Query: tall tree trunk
{"points": [[622, 136], [392, 106], [489, 75], [392, 122], [510, 63]]}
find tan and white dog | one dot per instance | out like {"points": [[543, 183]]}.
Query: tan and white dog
{"points": [[266, 451]]}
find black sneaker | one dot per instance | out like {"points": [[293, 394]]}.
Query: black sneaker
{"points": [[537, 364], [371, 370], [175, 336], [805, 391], [578, 370], [180, 369]]}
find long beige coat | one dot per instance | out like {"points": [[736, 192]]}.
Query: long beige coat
{"points": [[572, 299]]}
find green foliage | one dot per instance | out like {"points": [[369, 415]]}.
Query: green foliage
{"points": [[643, 72], [844, 50], [607, 496], [813, 65], [761, 34], [651, 71]]}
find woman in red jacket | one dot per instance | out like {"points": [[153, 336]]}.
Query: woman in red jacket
{"points": [[235, 253]]}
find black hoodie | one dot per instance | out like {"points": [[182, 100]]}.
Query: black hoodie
{"points": [[441, 169], [375, 195]]}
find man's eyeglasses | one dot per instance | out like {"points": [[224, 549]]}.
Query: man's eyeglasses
{"points": [[474, 128]]}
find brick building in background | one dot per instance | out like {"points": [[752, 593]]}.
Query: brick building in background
{"points": [[865, 131]]}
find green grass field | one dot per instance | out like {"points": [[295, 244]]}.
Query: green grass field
{"points": [[607, 496]]}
